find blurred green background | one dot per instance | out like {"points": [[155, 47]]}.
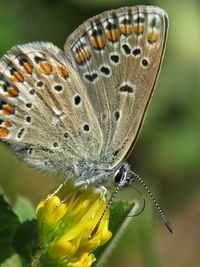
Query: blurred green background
{"points": [[167, 154]]}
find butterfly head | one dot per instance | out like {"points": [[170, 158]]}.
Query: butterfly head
{"points": [[122, 177]]}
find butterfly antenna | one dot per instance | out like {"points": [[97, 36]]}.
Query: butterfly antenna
{"points": [[108, 205], [142, 209], [167, 224], [144, 202]]}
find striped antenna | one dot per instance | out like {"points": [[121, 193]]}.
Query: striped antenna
{"points": [[167, 224]]}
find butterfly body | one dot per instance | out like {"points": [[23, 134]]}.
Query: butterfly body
{"points": [[80, 110]]}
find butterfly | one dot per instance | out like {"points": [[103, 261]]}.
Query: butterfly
{"points": [[79, 111]]}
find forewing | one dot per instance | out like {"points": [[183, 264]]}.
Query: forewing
{"points": [[44, 114], [118, 55]]}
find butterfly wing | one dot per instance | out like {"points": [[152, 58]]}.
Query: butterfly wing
{"points": [[44, 114], [118, 55]]}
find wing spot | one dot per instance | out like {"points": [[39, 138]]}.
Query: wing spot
{"points": [[126, 88], [111, 26], [30, 151], [3, 132], [126, 49], [22, 59], [111, 29], [40, 84], [139, 29], [96, 32], [97, 41], [86, 127], [62, 72], [112, 35], [126, 21], [12, 91], [105, 70], [152, 37], [27, 68], [66, 135], [153, 22], [114, 58], [145, 63], [38, 59], [136, 52], [91, 77], [28, 105], [45, 68], [15, 75], [139, 20], [77, 100], [58, 88], [5, 86], [6, 108], [82, 54], [7, 124], [28, 119], [117, 115], [21, 133], [55, 144], [125, 30], [32, 92]]}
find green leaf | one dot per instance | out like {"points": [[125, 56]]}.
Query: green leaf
{"points": [[8, 225], [24, 209], [120, 215], [25, 240]]}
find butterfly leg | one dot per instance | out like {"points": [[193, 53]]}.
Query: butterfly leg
{"points": [[55, 192], [102, 189], [77, 186], [82, 183]]}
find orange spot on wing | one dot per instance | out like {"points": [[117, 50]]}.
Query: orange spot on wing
{"points": [[139, 28], [112, 35], [45, 68], [98, 42], [3, 132], [126, 30], [8, 109], [27, 68], [12, 92], [86, 54], [17, 77], [152, 37], [7, 124], [62, 72], [82, 57]]}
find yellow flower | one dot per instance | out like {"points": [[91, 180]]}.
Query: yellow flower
{"points": [[64, 230]]}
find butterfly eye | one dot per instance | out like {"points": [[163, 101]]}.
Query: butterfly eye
{"points": [[120, 175]]}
